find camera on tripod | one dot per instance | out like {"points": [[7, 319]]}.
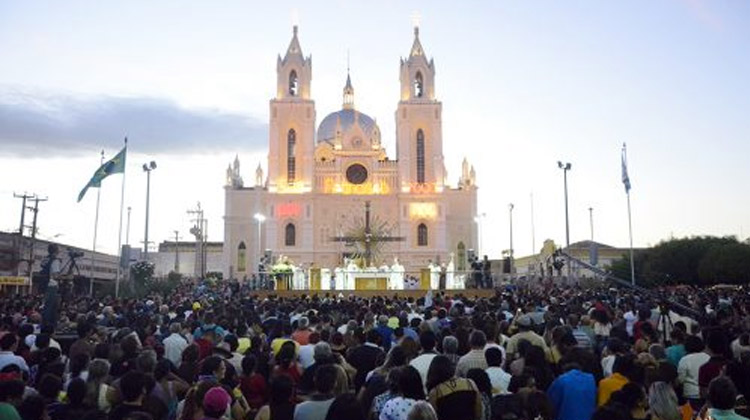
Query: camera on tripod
{"points": [[73, 254]]}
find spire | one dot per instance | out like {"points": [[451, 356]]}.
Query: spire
{"points": [[348, 93], [416, 48], [294, 47]]}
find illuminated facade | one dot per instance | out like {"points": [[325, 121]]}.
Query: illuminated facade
{"points": [[318, 180]]}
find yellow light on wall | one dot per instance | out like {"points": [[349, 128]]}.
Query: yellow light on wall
{"points": [[422, 211]]}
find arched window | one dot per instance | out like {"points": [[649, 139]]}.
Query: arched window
{"points": [[418, 85], [293, 83], [422, 235], [241, 257], [290, 235], [461, 248], [420, 156], [291, 163]]}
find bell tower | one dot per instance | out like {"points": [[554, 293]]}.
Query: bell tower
{"points": [[419, 133], [292, 123]]}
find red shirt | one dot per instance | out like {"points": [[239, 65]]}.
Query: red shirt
{"points": [[253, 388]]}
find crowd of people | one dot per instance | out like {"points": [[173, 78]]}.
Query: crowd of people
{"points": [[218, 351]]}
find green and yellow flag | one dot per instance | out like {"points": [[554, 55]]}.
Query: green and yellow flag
{"points": [[116, 165]]}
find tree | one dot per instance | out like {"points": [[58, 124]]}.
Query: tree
{"points": [[701, 260]]}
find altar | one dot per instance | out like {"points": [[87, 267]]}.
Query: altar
{"points": [[370, 281]]}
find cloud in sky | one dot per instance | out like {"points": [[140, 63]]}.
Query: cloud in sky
{"points": [[46, 125]]}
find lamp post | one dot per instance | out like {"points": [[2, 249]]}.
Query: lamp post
{"points": [[510, 213], [478, 218], [147, 167], [591, 222], [260, 218], [566, 167]]}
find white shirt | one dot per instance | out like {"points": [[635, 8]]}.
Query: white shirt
{"points": [[499, 379], [687, 373], [422, 364], [630, 320], [608, 363], [8, 358], [307, 355], [174, 345]]}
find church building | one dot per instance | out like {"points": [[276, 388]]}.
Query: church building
{"points": [[310, 206]]}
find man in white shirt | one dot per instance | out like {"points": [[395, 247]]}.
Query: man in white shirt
{"points": [[689, 367], [174, 344], [8, 345], [422, 362], [499, 378]]}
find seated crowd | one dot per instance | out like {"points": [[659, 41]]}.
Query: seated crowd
{"points": [[219, 352]]}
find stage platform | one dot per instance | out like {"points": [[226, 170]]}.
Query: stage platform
{"points": [[416, 294]]}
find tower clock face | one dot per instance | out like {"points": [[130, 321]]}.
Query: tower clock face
{"points": [[356, 174]]}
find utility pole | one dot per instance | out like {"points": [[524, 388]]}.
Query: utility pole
{"points": [[34, 209], [176, 251], [198, 230], [591, 222], [23, 197]]}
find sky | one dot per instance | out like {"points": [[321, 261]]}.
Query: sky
{"points": [[523, 85]]}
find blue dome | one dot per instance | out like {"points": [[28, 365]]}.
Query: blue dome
{"points": [[327, 127]]}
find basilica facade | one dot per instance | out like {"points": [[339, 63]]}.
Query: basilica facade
{"points": [[310, 205]]}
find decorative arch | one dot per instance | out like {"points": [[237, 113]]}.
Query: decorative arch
{"points": [[290, 235], [241, 257], [418, 85], [422, 235], [420, 157], [291, 162], [293, 83]]}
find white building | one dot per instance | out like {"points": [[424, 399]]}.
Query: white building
{"points": [[319, 180]]}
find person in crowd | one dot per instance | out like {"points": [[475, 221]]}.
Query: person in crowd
{"points": [[280, 405], [406, 394], [482, 381], [422, 410], [573, 394], [346, 406], [722, 396], [499, 378], [622, 372], [689, 368], [364, 358], [133, 389], [316, 407], [421, 363], [452, 397], [252, 384], [663, 403], [475, 357], [175, 344]]}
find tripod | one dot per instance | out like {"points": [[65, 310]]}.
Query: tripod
{"points": [[68, 273], [664, 321]]}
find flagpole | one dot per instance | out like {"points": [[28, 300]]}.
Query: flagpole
{"points": [[96, 228], [630, 228], [626, 181], [119, 233]]}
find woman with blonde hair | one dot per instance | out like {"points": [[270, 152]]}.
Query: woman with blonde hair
{"points": [[662, 402], [422, 410], [97, 389]]}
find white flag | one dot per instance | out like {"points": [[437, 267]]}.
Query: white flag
{"points": [[625, 177]]}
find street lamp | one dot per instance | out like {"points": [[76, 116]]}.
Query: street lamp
{"points": [[566, 167], [147, 167], [510, 211], [478, 218], [260, 218]]}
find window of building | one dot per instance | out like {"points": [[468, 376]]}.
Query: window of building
{"points": [[293, 83], [291, 163], [422, 235], [290, 235], [241, 257], [418, 85], [461, 254], [420, 156]]}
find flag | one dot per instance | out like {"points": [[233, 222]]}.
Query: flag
{"points": [[625, 177], [116, 165]]}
